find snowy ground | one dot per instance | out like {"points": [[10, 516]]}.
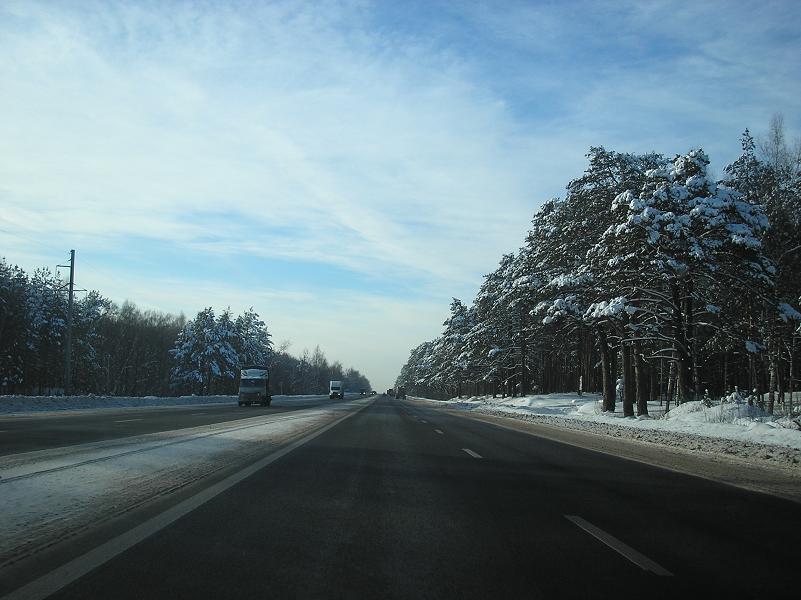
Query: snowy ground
{"points": [[10, 405], [53, 494], [735, 429]]}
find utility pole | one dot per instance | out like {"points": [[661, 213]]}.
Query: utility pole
{"points": [[524, 381], [68, 346]]}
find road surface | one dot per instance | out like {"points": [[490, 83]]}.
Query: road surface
{"points": [[403, 501], [37, 432]]}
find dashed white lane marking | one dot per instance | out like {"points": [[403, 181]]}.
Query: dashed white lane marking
{"points": [[128, 420], [615, 544], [439, 431], [196, 414], [423, 421], [471, 453]]}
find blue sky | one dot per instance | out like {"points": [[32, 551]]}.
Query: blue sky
{"points": [[347, 167]]}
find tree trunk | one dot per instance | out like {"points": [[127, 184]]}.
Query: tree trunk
{"points": [[692, 344], [725, 372], [652, 382], [606, 373], [791, 385], [641, 377], [679, 334], [671, 385], [629, 386], [546, 373], [523, 352], [772, 380]]}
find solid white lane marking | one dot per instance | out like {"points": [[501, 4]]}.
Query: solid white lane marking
{"points": [[128, 420], [196, 414], [471, 453], [439, 431], [49, 584], [615, 544]]}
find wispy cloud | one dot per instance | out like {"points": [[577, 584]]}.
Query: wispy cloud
{"points": [[296, 125], [381, 146]]}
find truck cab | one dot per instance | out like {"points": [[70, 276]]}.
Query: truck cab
{"points": [[254, 387], [335, 390]]}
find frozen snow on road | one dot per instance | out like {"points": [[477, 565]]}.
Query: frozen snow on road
{"points": [[25, 405], [52, 494]]}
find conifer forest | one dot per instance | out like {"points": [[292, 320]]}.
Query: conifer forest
{"points": [[650, 280]]}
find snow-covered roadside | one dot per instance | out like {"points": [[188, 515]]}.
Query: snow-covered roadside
{"points": [[12, 405], [729, 429], [52, 494]]}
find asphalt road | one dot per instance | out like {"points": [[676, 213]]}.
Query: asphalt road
{"points": [[400, 501], [39, 431]]}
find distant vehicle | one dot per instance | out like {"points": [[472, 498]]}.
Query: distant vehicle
{"points": [[336, 390], [400, 393], [363, 392], [373, 393], [390, 392], [254, 387]]}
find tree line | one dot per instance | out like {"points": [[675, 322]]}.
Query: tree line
{"points": [[122, 350], [648, 280]]}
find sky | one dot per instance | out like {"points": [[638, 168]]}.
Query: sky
{"points": [[346, 168]]}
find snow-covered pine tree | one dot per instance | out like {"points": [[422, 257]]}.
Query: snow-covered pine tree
{"points": [[253, 340], [771, 177], [226, 361], [417, 374], [87, 315], [491, 339], [187, 372], [13, 318], [46, 321], [673, 240], [453, 360], [204, 352]]}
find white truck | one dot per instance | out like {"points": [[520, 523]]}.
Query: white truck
{"points": [[254, 387], [335, 390]]}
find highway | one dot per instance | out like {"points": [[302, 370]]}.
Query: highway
{"points": [[403, 501], [38, 431]]}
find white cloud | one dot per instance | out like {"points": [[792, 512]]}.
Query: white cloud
{"points": [[131, 117], [306, 132]]}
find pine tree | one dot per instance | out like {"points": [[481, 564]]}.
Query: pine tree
{"points": [[13, 315], [253, 344], [204, 352]]}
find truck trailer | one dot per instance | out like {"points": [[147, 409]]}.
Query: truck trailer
{"points": [[254, 387]]}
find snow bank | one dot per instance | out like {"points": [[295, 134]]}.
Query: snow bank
{"points": [[730, 421], [38, 404]]}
